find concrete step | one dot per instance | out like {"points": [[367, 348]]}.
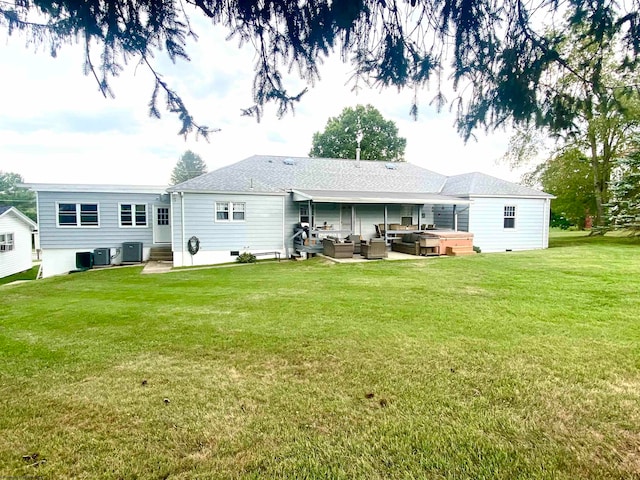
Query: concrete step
{"points": [[460, 251], [161, 254]]}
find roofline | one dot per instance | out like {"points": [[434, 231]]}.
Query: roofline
{"points": [[20, 215], [107, 188], [542, 196], [228, 192], [374, 198]]}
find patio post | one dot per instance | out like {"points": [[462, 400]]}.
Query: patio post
{"points": [[386, 227]]}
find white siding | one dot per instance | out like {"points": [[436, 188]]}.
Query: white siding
{"points": [[262, 230], [108, 235], [531, 230], [18, 259]]}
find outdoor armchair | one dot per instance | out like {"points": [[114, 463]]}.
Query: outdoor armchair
{"points": [[374, 249]]}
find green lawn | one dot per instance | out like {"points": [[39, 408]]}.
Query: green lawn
{"points": [[512, 365]]}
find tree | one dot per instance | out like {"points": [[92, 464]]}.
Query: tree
{"points": [[587, 105], [379, 137], [190, 165], [13, 195], [567, 175], [599, 116], [502, 50], [624, 210]]}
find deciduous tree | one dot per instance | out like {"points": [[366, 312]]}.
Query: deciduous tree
{"points": [[13, 195], [378, 137], [589, 106], [567, 175]]}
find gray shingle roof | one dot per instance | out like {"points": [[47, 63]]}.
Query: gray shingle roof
{"points": [[4, 209], [477, 183], [278, 174], [274, 174]]}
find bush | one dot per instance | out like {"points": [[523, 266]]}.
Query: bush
{"points": [[246, 257], [559, 221], [477, 249]]}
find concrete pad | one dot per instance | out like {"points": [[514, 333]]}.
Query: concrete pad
{"points": [[157, 267]]}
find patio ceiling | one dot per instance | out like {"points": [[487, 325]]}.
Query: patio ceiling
{"points": [[415, 198]]}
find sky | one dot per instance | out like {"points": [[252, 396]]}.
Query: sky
{"points": [[56, 127]]}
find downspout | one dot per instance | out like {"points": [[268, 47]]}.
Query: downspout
{"points": [[455, 217], [182, 225], [285, 247]]}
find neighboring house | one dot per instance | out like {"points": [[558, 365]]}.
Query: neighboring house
{"points": [[16, 232], [255, 205]]}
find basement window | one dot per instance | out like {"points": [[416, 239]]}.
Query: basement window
{"points": [[509, 216]]}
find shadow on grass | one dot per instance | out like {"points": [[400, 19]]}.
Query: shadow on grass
{"points": [[561, 238], [30, 274]]}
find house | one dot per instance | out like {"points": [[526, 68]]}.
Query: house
{"points": [[16, 231], [82, 218], [255, 205]]}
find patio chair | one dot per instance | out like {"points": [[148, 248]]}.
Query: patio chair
{"points": [[356, 242], [375, 248]]}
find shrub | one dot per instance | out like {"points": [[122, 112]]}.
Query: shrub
{"points": [[477, 249], [246, 257]]}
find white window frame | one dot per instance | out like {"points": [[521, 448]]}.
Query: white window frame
{"points": [[507, 214], [78, 215], [7, 242], [133, 215], [230, 211]]}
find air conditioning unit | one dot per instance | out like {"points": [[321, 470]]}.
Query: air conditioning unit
{"points": [[84, 260], [132, 252], [102, 257]]}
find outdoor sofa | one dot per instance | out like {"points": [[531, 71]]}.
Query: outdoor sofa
{"points": [[335, 248]]}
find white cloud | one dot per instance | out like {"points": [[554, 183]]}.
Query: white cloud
{"points": [[56, 127]]}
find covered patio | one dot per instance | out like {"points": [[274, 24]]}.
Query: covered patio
{"points": [[366, 215]]}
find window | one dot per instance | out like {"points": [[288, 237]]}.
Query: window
{"points": [[163, 216], [238, 211], [78, 215], [222, 211], [229, 211], [510, 216], [6, 242], [133, 215], [304, 214]]}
